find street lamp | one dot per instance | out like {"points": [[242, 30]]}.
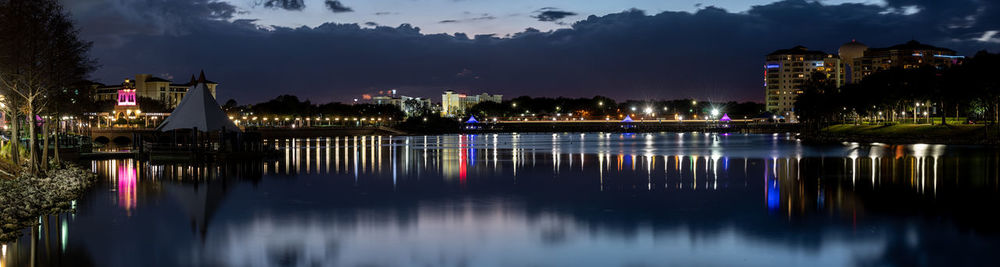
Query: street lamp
{"points": [[715, 113]]}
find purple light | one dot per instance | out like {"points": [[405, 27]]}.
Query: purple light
{"points": [[725, 117], [627, 118]]}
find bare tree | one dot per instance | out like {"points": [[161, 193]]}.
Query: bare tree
{"points": [[41, 53]]}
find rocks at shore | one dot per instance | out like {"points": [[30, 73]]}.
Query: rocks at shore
{"points": [[23, 199]]}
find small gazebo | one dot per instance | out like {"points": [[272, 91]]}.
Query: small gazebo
{"points": [[472, 123]]}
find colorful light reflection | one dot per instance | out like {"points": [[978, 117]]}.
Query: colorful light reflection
{"points": [[127, 187]]}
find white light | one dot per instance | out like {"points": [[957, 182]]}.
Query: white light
{"points": [[648, 110], [715, 112]]}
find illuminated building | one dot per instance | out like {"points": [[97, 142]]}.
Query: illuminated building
{"points": [[146, 85], [453, 104], [861, 61], [126, 105], [787, 69], [407, 104]]}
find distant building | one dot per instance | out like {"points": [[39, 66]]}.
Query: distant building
{"points": [[407, 104], [786, 70], [861, 61], [454, 104], [145, 85]]}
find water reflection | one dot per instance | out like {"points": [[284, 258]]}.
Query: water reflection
{"points": [[550, 199]]}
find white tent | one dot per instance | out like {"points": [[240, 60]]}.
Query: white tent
{"points": [[198, 109]]}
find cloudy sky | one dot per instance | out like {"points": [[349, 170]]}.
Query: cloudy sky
{"points": [[327, 50]]}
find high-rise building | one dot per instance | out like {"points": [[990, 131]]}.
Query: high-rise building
{"points": [[861, 61], [146, 85], [453, 104], [786, 70]]}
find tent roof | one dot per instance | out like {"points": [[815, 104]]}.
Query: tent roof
{"points": [[472, 119], [198, 109], [725, 117], [627, 118]]}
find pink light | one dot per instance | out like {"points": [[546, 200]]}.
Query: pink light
{"points": [[126, 97]]}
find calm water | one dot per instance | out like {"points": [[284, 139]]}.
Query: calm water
{"points": [[565, 199]]}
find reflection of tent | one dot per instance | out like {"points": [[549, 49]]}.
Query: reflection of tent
{"points": [[199, 201], [627, 118], [198, 109], [472, 119], [725, 117]]}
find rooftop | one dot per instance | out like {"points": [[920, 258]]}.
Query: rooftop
{"points": [[797, 50]]}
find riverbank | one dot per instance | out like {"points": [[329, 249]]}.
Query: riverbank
{"points": [[25, 198], [903, 133]]}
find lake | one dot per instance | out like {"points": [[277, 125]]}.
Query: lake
{"points": [[563, 199]]}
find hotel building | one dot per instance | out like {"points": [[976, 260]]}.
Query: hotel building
{"points": [[146, 85], [401, 102], [787, 69], [454, 104]]}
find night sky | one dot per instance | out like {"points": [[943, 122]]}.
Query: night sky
{"points": [[326, 50]]}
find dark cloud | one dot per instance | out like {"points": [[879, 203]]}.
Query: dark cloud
{"points": [[337, 6], [383, 13], [480, 17], [552, 14], [285, 4], [371, 23], [709, 54], [108, 22]]}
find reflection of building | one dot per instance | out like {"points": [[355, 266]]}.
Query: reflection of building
{"points": [[861, 61], [787, 70], [145, 85], [453, 104]]}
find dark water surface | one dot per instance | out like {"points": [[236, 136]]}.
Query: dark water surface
{"points": [[566, 199]]}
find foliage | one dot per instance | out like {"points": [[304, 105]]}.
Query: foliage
{"points": [[289, 105]]}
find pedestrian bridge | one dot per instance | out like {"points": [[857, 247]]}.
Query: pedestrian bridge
{"points": [[117, 135]]}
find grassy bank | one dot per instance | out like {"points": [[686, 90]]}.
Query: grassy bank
{"points": [[904, 133], [26, 197]]}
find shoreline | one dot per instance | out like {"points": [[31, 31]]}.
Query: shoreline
{"points": [[25, 198], [904, 134]]}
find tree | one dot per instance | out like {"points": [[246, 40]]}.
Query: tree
{"points": [[814, 105], [40, 53], [229, 105]]}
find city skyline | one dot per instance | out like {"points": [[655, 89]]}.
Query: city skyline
{"points": [[702, 52]]}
